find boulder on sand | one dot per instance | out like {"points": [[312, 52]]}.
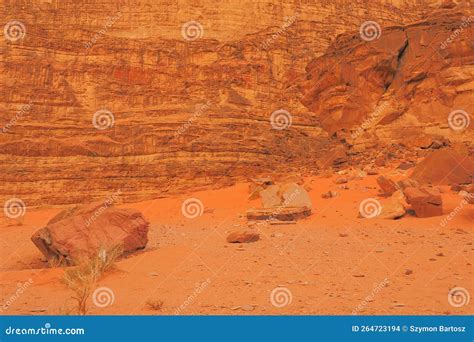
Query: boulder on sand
{"points": [[285, 202], [81, 232], [294, 195], [270, 197], [426, 202], [394, 207], [287, 195], [445, 167], [257, 185]]}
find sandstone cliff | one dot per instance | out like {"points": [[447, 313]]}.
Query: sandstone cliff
{"points": [[104, 95]]}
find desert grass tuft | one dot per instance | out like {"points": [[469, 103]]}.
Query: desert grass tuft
{"points": [[57, 262], [81, 279]]}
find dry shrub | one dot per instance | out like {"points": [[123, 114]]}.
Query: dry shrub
{"points": [[81, 279], [57, 262], [155, 304]]}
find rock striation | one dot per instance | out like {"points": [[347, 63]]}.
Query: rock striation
{"points": [[114, 96]]}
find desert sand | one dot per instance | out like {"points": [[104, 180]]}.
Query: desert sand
{"points": [[330, 262]]}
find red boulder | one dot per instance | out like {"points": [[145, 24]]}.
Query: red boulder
{"points": [[81, 232], [426, 202]]}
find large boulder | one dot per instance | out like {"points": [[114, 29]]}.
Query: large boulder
{"points": [[426, 202], [294, 195], [445, 167], [282, 202], [270, 197], [81, 232], [394, 207]]}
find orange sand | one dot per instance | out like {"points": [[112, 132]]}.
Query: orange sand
{"points": [[330, 262]]}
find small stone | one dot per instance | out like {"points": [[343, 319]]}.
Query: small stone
{"points": [[329, 194], [406, 165], [248, 307], [242, 237], [341, 180], [408, 272]]}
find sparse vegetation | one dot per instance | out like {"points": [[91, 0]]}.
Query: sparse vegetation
{"points": [[57, 262], [154, 304], [82, 278]]}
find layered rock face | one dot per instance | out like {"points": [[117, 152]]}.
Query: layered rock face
{"points": [[140, 98], [398, 84]]}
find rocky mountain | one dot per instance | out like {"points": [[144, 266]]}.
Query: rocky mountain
{"points": [[154, 98]]}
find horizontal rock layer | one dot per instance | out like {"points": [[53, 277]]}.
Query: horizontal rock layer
{"points": [[187, 114]]}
